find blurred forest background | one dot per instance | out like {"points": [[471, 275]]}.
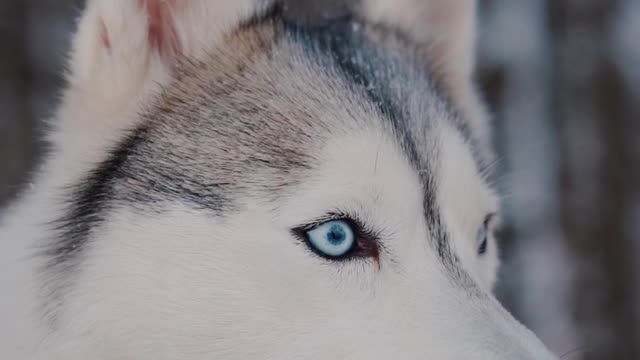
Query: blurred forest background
{"points": [[562, 78]]}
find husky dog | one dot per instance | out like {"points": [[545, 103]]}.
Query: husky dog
{"points": [[226, 182]]}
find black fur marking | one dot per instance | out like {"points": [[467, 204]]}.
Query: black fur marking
{"points": [[123, 178], [368, 69], [89, 202]]}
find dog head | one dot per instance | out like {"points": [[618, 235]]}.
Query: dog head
{"points": [[245, 186]]}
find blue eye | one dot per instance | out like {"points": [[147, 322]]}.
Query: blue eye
{"points": [[333, 238]]}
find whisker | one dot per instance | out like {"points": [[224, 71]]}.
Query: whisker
{"points": [[375, 165]]}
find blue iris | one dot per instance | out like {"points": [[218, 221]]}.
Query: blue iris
{"points": [[333, 238]]}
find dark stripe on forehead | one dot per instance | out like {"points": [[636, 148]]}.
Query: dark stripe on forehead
{"points": [[438, 231], [127, 175], [88, 202], [386, 67], [367, 70]]}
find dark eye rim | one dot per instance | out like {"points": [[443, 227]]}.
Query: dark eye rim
{"points": [[366, 244], [486, 231]]}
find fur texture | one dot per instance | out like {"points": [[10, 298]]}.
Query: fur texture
{"points": [[195, 135]]}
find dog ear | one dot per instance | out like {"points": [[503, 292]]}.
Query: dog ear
{"points": [[446, 27], [122, 46], [444, 32]]}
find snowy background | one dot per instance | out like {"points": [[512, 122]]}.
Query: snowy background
{"points": [[562, 78]]}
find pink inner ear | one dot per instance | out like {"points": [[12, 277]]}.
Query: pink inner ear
{"points": [[162, 30], [104, 35]]}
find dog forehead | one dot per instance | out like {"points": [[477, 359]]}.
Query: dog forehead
{"points": [[364, 173]]}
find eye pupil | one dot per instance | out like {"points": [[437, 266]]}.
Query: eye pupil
{"points": [[336, 235]]}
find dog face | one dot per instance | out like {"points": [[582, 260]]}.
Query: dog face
{"points": [[260, 189]]}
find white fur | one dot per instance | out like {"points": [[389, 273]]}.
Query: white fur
{"points": [[190, 286]]}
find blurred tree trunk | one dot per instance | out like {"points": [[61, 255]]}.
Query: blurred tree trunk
{"points": [[34, 35], [592, 114], [16, 123], [516, 69], [627, 56]]}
